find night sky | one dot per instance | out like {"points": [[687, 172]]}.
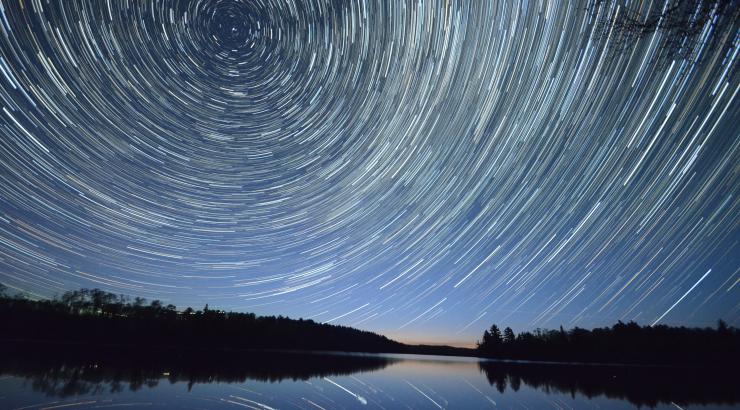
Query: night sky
{"points": [[421, 169]]}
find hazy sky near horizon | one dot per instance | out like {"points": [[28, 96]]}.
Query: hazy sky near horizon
{"points": [[417, 168]]}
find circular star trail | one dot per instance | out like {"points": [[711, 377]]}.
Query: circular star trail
{"points": [[415, 168]]}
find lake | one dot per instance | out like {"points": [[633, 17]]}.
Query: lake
{"points": [[63, 378]]}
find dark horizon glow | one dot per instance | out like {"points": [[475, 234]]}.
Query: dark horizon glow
{"points": [[418, 169]]}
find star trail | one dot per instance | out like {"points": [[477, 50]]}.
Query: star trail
{"points": [[418, 168]]}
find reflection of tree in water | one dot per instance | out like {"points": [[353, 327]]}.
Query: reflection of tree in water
{"points": [[64, 380], [641, 386], [84, 373]]}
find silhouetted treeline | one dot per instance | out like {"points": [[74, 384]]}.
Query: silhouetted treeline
{"points": [[98, 317], [641, 386], [439, 350], [621, 343], [96, 370]]}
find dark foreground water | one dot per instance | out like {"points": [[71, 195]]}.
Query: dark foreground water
{"points": [[58, 378]]}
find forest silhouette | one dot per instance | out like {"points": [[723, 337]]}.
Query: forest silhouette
{"points": [[98, 318], [626, 343]]}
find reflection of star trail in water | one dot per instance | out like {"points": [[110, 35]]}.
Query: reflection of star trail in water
{"points": [[381, 164], [326, 381]]}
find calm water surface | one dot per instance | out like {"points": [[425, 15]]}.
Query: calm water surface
{"points": [[343, 381]]}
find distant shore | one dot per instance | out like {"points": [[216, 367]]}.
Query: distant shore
{"points": [[101, 320], [32, 347]]}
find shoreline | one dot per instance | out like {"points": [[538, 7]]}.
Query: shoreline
{"points": [[92, 348]]}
